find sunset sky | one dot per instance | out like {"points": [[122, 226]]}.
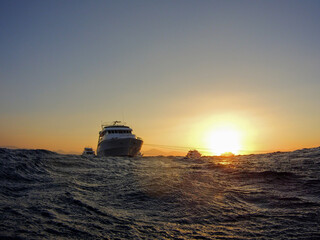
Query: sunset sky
{"points": [[178, 72]]}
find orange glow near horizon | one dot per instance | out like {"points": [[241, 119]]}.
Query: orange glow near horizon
{"points": [[224, 140], [224, 133]]}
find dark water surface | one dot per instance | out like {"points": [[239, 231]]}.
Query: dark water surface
{"points": [[45, 195]]}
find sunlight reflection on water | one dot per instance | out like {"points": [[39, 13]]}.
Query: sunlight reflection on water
{"points": [[255, 196]]}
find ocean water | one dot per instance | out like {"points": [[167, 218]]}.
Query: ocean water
{"points": [[45, 195]]}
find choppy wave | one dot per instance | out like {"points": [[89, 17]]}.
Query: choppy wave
{"points": [[48, 195]]}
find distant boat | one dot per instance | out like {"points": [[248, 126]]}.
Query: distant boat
{"points": [[87, 152], [117, 140], [194, 154]]}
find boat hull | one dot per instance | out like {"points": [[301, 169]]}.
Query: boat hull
{"points": [[119, 147]]}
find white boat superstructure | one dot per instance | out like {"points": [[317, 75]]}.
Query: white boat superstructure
{"points": [[117, 140], [194, 154], [87, 151], [115, 131]]}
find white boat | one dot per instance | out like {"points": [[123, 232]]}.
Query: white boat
{"points": [[116, 139], [194, 154], [87, 152]]}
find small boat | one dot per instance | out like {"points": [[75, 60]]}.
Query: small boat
{"points": [[116, 139], [87, 152], [193, 154]]}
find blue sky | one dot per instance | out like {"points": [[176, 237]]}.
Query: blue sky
{"points": [[71, 64]]}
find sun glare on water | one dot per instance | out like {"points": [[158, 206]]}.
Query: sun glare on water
{"points": [[224, 140]]}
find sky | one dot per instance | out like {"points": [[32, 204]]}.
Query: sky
{"points": [[175, 71]]}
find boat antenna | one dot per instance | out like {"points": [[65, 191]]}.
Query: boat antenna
{"points": [[115, 122]]}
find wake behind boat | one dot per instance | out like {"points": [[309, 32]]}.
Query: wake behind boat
{"points": [[117, 140]]}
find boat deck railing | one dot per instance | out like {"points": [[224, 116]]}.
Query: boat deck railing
{"points": [[114, 123]]}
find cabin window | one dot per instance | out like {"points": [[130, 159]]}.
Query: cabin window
{"points": [[119, 131]]}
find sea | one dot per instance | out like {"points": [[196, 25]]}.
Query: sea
{"points": [[46, 195]]}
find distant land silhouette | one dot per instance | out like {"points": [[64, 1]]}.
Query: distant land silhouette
{"points": [[67, 152], [157, 152], [9, 147], [57, 151]]}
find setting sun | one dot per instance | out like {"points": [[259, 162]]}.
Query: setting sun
{"points": [[224, 140]]}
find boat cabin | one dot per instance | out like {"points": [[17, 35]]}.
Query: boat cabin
{"points": [[115, 131]]}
